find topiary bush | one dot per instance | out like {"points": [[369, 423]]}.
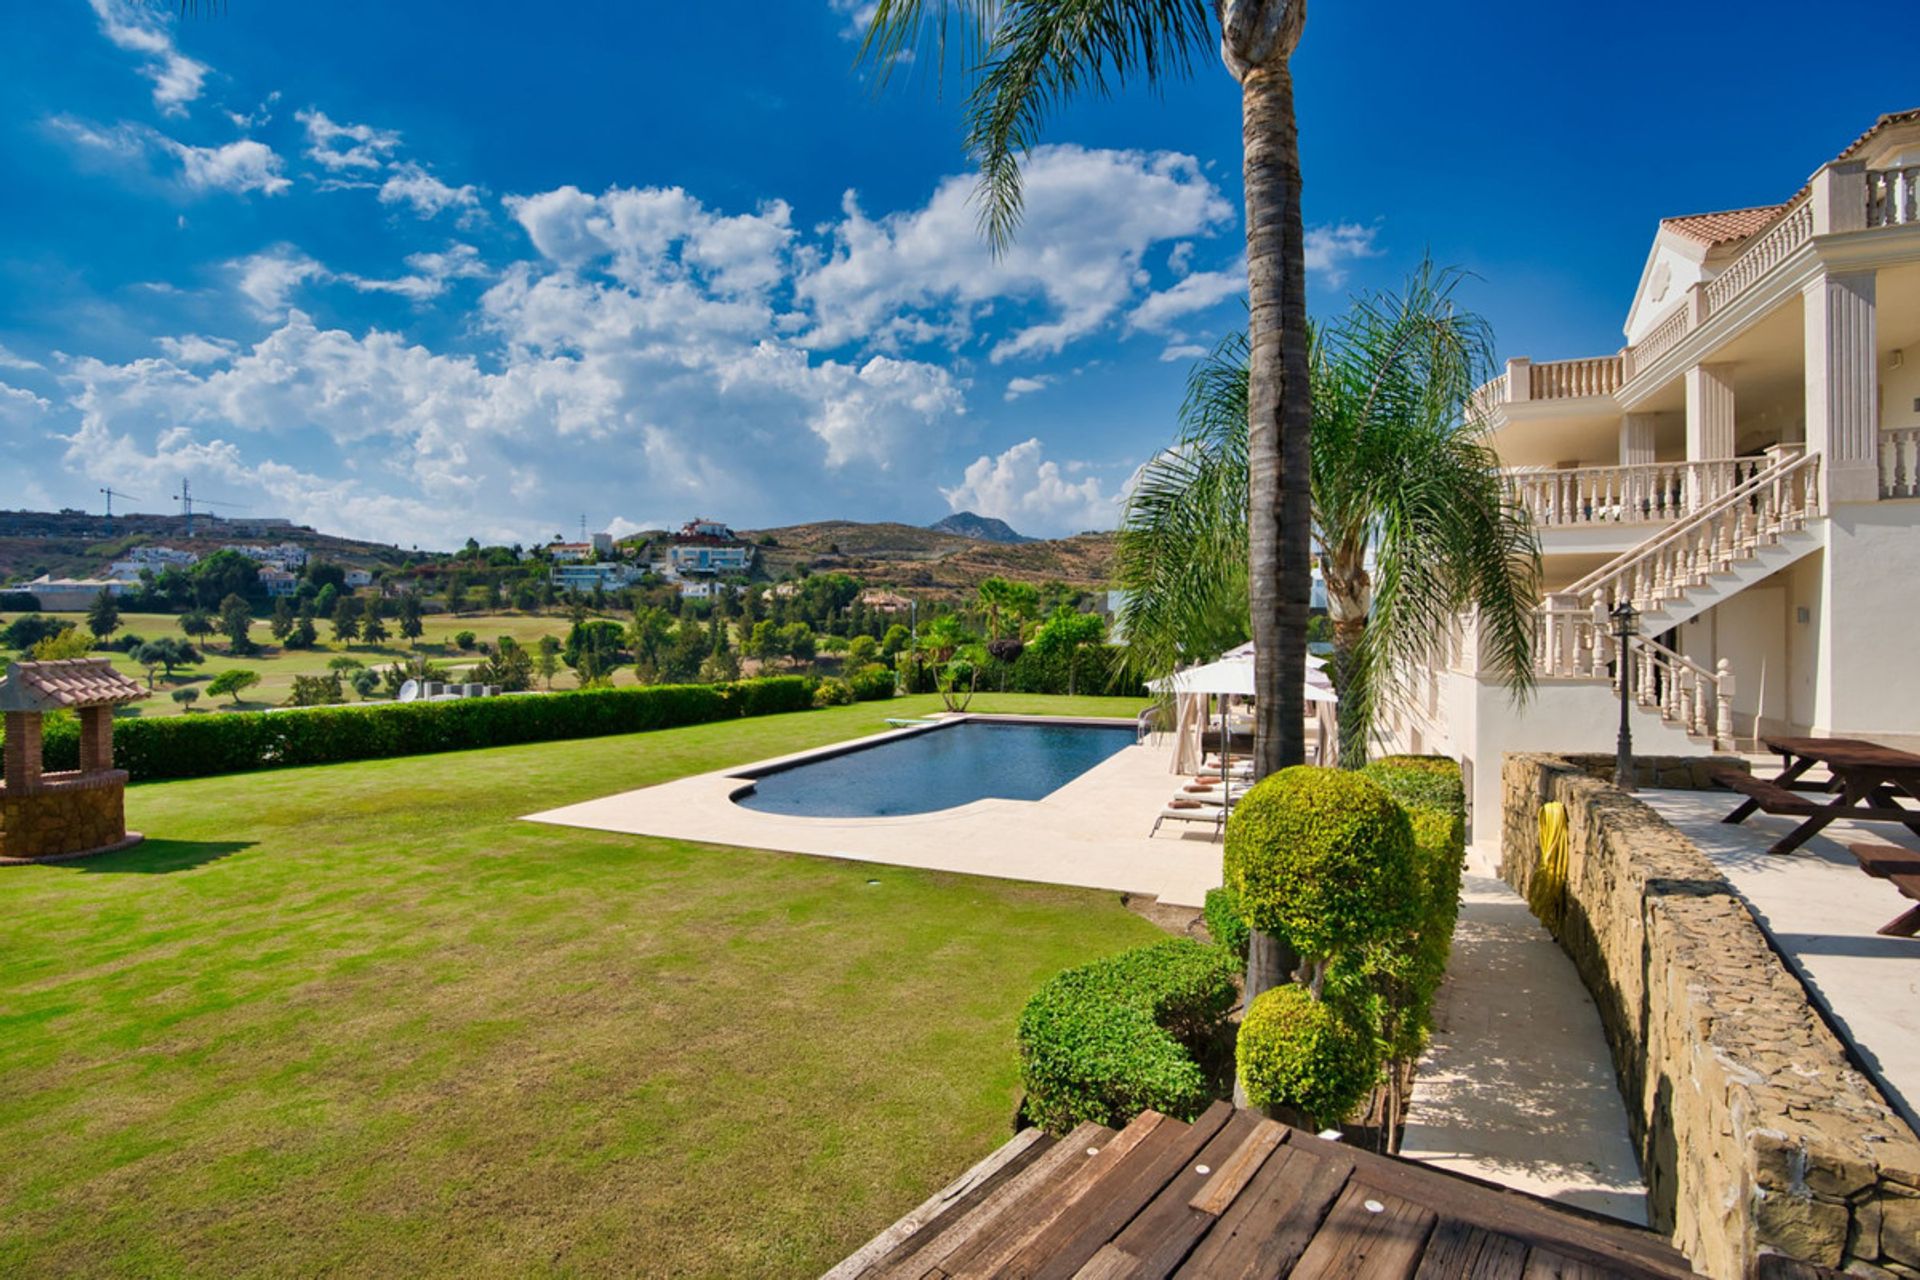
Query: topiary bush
{"points": [[1321, 858], [1224, 923], [833, 693], [1305, 1054], [1421, 782], [1109, 1039]]}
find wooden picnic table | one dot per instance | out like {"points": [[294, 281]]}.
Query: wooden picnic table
{"points": [[1867, 781]]}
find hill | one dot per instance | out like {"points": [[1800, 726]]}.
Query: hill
{"points": [[73, 544], [932, 560], [968, 524]]}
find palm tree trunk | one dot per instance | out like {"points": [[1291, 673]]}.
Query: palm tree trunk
{"points": [[1349, 599], [1279, 498]]}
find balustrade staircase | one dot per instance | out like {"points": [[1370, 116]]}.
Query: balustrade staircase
{"points": [[1729, 541]]}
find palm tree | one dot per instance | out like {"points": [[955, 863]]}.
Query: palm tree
{"points": [[1401, 475], [1031, 54]]}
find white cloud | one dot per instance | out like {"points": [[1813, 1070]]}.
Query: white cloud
{"points": [[651, 235], [13, 360], [238, 167], [411, 184], [1017, 387], [20, 408], [340, 147], [620, 527], [194, 349], [859, 16], [1329, 249], [177, 79], [1089, 218], [1032, 494], [428, 274], [269, 278], [1200, 291], [1183, 351]]}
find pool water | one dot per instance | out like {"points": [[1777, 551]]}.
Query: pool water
{"points": [[938, 769]]}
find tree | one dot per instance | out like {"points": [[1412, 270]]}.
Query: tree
{"points": [[281, 623], [103, 615], [1402, 475], [69, 642], [1063, 637], [317, 691], [410, 616], [364, 682], [303, 634], [1032, 54], [186, 697], [797, 642], [197, 623], [510, 667], [346, 620], [593, 650], [236, 623], [1002, 600], [456, 590], [234, 682], [547, 660], [165, 653], [221, 575], [373, 627]]}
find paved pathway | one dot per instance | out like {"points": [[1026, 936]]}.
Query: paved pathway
{"points": [[1517, 1086]]}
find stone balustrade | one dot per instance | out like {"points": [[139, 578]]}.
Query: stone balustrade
{"points": [[1893, 197], [1755, 1132], [1648, 493], [1900, 463]]}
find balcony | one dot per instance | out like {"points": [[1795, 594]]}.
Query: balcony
{"points": [[1654, 493], [1552, 380]]}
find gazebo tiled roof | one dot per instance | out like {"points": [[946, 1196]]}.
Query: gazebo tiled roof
{"points": [[66, 685]]}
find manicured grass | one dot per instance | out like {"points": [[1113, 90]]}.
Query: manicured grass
{"points": [[357, 1020]]}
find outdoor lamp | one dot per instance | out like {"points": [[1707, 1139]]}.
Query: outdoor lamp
{"points": [[1626, 625]]}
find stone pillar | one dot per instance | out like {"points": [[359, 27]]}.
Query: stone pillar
{"points": [[1636, 439], [1519, 379], [1842, 383], [22, 751], [96, 739], [1709, 429]]}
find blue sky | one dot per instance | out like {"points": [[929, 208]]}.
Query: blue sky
{"points": [[422, 271]]}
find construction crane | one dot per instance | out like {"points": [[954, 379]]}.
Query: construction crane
{"points": [[113, 493], [185, 499]]}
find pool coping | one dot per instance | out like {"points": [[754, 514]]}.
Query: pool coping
{"points": [[1089, 833]]}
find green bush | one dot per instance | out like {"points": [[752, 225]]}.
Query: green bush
{"points": [[1421, 782], [1106, 1040], [1321, 858], [833, 693], [871, 683], [1307, 1054], [1224, 923], [232, 742]]}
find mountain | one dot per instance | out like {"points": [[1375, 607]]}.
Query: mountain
{"points": [[981, 528], [933, 561]]}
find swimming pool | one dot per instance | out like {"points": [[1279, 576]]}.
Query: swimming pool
{"points": [[936, 769]]}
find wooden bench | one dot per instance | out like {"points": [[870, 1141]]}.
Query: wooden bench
{"points": [[1762, 794], [1901, 867]]}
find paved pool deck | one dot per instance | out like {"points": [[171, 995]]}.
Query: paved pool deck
{"points": [[1517, 1084], [1821, 913], [1091, 833]]}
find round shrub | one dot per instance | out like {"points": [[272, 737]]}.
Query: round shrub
{"points": [[1321, 858], [1420, 782], [833, 693], [1109, 1039], [1295, 1051], [1224, 923]]}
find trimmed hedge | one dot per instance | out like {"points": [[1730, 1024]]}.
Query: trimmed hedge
{"points": [[872, 683], [1307, 1054], [232, 742], [1109, 1039], [1225, 925]]}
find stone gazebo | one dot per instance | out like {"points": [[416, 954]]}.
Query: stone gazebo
{"points": [[44, 816]]}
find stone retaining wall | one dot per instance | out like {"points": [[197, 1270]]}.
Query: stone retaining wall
{"points": [[1754, 1131], [63, 814]]}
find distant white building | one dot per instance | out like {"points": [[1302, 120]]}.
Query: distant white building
{"points": [[707, 547], [585, 577], [600, 544], [277, 582], [74, 595], [155, 558], [286, 554], [359, 578]]}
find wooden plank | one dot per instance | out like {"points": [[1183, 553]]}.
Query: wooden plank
{"points": [[989, 1251], [917, 1257], [1013, 1154], [1231, 1178], [1565, 1228], [1546, 1264], [1266, 1229], [1162, 1234], [1072, 1239], [1368, 1232], [1461, 1251]]}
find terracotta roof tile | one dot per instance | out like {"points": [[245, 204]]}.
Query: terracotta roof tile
{"points": [[1712, 229], [74, 682]]}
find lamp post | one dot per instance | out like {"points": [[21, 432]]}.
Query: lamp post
{"points": [[1626, 624]]}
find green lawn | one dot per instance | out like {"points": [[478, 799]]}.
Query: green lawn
{"points": [[357, 1020]]}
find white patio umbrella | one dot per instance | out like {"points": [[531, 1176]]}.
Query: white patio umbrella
{"points": [[1229, 676]]}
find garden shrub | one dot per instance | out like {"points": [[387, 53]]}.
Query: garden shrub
{"points": [[1321, 858], [1421, 782], [1224, 923], [1106, 1040], [871, 683], [832, 692], [1307, 1054], [232, 742]]}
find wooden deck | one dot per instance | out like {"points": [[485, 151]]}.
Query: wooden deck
{"points": [[1233, 1194]]}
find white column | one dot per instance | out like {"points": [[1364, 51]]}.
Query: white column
{"points": [[1842, 381], [1709, 429], [1636, 439]]}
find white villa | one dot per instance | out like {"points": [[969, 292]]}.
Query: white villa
{"points": [[1745, 471], [706, 546], [573, 576]]}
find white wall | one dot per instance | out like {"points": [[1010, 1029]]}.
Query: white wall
{"points": [[1868, 624]]}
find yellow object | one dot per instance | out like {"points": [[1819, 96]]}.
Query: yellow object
{"points": [[1547, 892]]}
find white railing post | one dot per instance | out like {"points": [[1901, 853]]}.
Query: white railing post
{"points": [[1723, 705]]}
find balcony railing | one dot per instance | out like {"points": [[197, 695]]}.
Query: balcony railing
{"points": [[1553, 380], [1646, 494], [1893, 197], [1900, 463]]}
